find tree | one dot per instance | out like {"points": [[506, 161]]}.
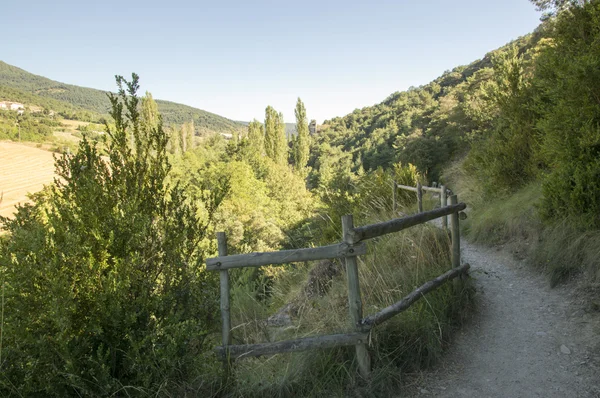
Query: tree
{"points": [[275, 142], [186, 136], [150, 118], [568, 81], [300, 148], [256, 138], [558, 5], [270, 132], [104, 272], [281, 147]]}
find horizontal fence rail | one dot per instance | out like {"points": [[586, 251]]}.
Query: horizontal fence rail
{"points": [[304, 344], [424, 188], [398, 224], [442, 190], [352, 246], [285, 256], [415, 295]]}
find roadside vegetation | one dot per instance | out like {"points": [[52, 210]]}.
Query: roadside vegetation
{"points": [[105, 291]]}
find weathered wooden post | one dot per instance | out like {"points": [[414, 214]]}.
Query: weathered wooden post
{"points": [[443, 204], [420, 197], [394, 189], [225, 314], [455, 234], [354, 299]]}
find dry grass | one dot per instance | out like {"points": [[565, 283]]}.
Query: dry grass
{"points": [[394, 266], [560, 247], [72, 125], [23, 170], [66, 136]]}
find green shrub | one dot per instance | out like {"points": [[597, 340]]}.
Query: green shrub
{"points": [[105, 292]]}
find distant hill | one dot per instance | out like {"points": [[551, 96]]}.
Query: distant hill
{"points": [[290, 128], [30, 88]]}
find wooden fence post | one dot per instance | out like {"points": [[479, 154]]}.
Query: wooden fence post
{"points": [[443, 203], [354, 299], [420, 197], [225, 314], [394, 189], [455, 234]]}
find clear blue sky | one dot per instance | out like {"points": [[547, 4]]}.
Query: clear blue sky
{"points": [[234, 58]]}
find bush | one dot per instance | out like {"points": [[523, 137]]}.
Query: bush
{"points": [[105, 290]]}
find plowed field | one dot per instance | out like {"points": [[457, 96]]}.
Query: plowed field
{"points": [[23, 170]]}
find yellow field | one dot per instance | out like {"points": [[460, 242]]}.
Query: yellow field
{"points": [[23, 170], [71, 125]]}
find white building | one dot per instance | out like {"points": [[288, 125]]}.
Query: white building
{"points": [[13, 106]]}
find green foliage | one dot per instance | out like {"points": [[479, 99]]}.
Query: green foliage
{"points": [[275, 139], [105, 291], [568, 80], [301, 144], [505, 158], [27, 126], [365, 196], [260, 200], [256, 139], [64, 109], [270, 132], [150, 117]]}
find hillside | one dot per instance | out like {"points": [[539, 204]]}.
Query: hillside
{"points": [[19, 85], [423, 125]]}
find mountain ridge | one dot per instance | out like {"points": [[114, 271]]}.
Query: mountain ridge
{"points": [[25, 84]]}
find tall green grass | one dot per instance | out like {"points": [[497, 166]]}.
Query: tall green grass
{"points": [[560, 247], [394, 266]]}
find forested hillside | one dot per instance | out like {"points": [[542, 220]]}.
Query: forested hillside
{"points": [[520, 123], [27, 87], [425, 126]]}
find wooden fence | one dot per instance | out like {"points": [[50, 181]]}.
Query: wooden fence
{"points": [[442, 190], [353, 245]]}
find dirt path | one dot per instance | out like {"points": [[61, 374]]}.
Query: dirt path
{"points": [[526, 339]]}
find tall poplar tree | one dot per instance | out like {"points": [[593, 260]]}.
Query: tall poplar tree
{"points": [[186, 136], [270, 131], [300, 149], [281, 148], [256, 138], [150, 118]]}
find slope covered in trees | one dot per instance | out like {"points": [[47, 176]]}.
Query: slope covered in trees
{"points": [[25, 85], [424, 126], [525, 117]]}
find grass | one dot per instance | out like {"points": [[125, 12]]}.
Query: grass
{"points": [[506, 218], [560, 248], [565, 249], [394, 266]]}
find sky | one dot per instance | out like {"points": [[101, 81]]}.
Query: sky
{"points": [[234, 58]]}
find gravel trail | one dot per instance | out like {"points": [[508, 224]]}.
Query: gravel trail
{"points": [[525, 340]]}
